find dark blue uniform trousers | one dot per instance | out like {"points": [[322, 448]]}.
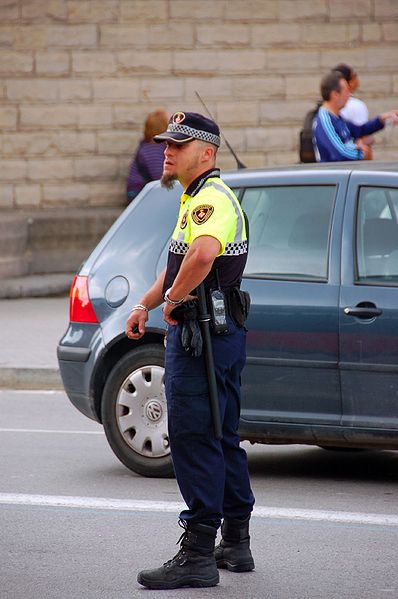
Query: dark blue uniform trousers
{"points": [[212, 475]]}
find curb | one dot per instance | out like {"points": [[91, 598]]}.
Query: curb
{"points": [[30, 378]]}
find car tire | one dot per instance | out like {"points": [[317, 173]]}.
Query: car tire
{"points": [[134, 412]]}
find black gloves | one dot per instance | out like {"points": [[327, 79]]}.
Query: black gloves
{"points": [[191, 336]]}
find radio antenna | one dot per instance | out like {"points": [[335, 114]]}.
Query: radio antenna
{"points": [[239, 164]]}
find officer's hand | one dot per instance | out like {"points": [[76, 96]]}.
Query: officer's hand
{"points": [[135, 325], [167, 309]]}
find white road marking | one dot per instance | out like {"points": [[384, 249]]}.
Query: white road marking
{"points": [[105, 503], [326, 516], [43, 430]]}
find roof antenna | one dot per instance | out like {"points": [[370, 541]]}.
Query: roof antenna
{"points": [[239, 164]]}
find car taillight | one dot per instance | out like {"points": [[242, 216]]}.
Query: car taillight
{"points": [[81, 309]]}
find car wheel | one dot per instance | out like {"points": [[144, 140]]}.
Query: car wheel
{"points": [[134, 412]]}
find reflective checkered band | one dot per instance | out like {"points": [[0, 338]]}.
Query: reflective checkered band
{"points": [[235, 249], [178, 247], [203, 135]]}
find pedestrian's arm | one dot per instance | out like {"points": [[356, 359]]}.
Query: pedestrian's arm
{"points": [[373, 125], [138, 317]]}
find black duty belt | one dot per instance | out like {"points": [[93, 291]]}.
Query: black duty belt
{"points": [[237, 307]]}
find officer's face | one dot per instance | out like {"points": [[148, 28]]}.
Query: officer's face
{"points": [[182, 161], [179, 157]]}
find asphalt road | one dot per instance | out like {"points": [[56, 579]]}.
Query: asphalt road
{"points": [[75, 523]]}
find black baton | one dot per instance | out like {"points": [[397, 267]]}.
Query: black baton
{"points": [[204, 319]]}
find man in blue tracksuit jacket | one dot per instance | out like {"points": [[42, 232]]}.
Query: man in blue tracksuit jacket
{"points": [[334, 138]]}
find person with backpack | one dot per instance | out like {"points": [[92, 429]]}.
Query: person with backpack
{"points": [[147, 164], [335, 138]]}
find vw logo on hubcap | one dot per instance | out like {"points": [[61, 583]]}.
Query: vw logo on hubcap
{"points": [[153, 410]]}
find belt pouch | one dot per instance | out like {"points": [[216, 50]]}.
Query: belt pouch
{"points": [[239, 302]]}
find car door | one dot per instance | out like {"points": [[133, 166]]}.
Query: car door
{"points": [[369, 303], [293, 276]]}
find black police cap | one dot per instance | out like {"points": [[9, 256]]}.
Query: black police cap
{"points": [[187, 126]]}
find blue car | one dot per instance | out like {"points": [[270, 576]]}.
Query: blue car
{"points": [[322, 347]]}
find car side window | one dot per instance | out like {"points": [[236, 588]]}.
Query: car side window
{"points": [[289, 231], [238, 191], [377, 236]]}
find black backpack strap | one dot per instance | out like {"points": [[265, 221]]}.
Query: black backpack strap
{"points": [[306, 147]]}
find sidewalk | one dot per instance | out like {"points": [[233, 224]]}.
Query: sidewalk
{"points": [[30, 329], [42, 285]]}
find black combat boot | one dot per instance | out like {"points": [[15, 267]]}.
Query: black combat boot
{"points": [[193, 566], [234, 552]]}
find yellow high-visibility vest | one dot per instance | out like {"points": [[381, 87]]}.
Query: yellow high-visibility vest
{"points": [[213, 211]]}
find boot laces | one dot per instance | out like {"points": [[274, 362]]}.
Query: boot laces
{"points": [[180, 557], [183, 524]]}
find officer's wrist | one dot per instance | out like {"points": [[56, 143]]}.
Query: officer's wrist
{"points": [[171, 301], [140, 307]]}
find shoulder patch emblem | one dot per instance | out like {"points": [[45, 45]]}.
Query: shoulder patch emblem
{"points": [[183, 223], [202, 213]]}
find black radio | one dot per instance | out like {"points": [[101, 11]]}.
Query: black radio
{"points": [[218, 311]]}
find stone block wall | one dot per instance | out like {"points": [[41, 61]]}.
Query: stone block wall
{"points": [[77, 78]]}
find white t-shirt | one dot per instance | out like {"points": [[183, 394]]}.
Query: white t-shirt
{"points": [[355, 111]]}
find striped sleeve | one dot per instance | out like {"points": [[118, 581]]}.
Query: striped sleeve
{"points": [[342, 151]]}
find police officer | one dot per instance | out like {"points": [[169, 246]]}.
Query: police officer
{"points": [[209, 244]]}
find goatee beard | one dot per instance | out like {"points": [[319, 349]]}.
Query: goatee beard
{"points": [[168, 181]]}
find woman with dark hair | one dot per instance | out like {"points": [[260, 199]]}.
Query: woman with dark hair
{"points": [[147, 164], [355, 110]]}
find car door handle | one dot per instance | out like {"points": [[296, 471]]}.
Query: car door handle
{"points": [[362, 311]]}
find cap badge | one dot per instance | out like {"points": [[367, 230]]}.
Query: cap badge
{"points": [[178, 117], [202, 213]]}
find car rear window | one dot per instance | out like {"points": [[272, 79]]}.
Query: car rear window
{"points": [[289, 231]]}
